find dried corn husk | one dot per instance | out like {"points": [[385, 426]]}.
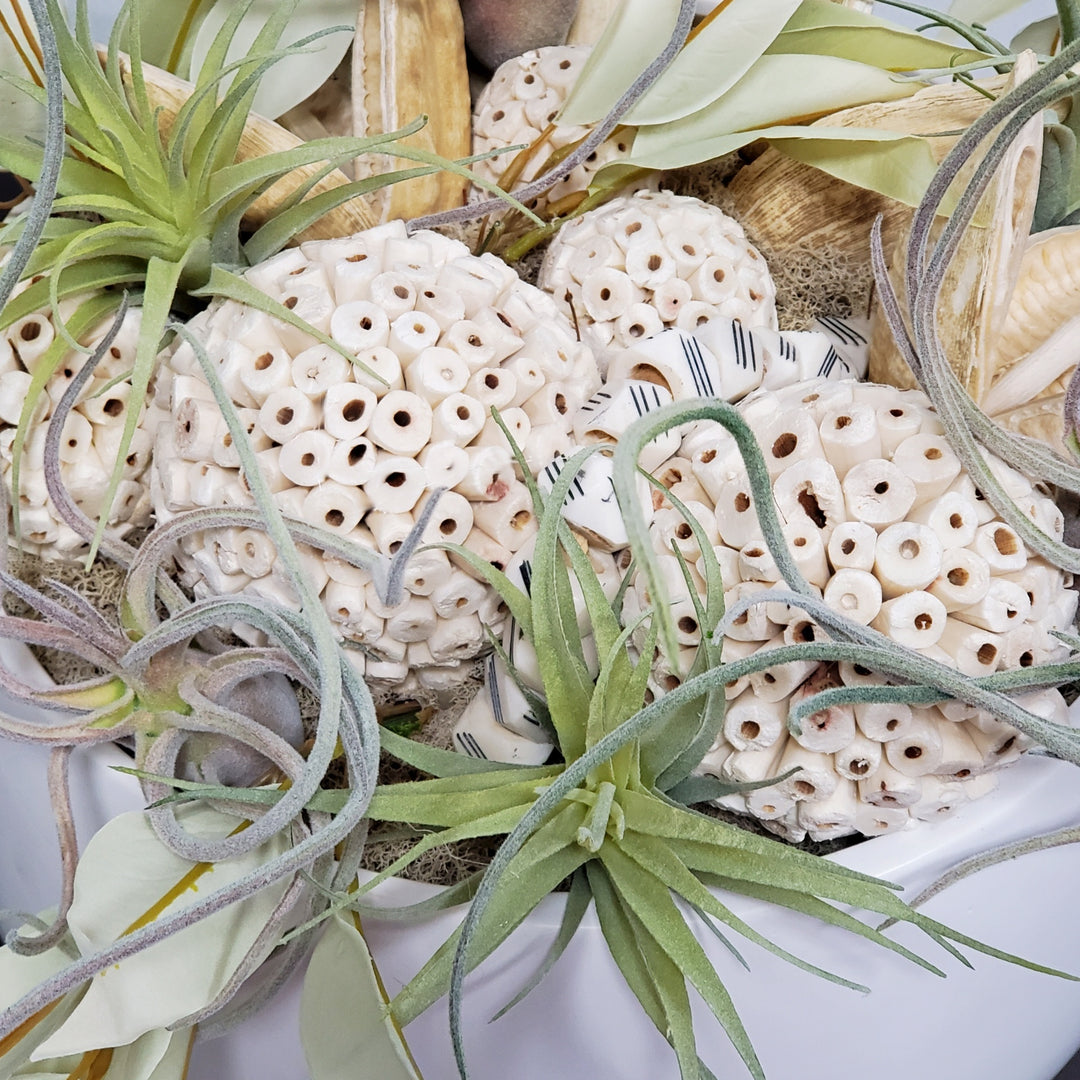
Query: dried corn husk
{"points": [[980, 279], [408, 60], [786, 204], [261, 136]]}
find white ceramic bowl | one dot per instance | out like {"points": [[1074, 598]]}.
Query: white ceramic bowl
{"points": [[995, 1022]]}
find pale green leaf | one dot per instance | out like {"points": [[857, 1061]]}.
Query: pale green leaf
{"points": [[295, 77], [23, 116], [713, 60], [630, 42], [762, 99], [982, 11], [345, 1023], [885, 47], [18, 976], [1039, 36], [168, 36], [124, 873], [898, 168]]}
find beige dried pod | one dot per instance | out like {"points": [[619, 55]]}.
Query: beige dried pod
{"points": [[589, 22], [519, 106], [409, 60], [359, 454], [167, 94], [785, 204], [980, 279]]}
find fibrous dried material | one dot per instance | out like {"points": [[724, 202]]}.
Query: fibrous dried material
{"points": [[409, 61], [439, 337]]}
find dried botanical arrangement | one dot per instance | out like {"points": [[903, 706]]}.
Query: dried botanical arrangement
{"points": [[708, 563]]}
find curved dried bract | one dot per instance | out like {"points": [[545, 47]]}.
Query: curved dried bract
{"points": [[981, 278], [786, 204], [168, 93], [409, 60], [592, 16]]}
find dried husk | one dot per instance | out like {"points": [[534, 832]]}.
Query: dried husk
{"points": [[168, 93], [980, 279], [786, 204], [409, 60], [592, 16]]}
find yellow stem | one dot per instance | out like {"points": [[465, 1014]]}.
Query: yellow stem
{"points": [[18, 46], [17, 1034], [705, 22], [181, 35]]}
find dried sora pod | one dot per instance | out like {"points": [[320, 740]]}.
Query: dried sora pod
{"points": [[652, 260], [520, 105], [438, 336], [881, 517], [90, 440]]}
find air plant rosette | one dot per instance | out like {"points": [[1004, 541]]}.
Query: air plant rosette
{"points": [[250, 855]]}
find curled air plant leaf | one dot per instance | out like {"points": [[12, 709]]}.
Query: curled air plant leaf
{"points": [[607, 816], [158, 688], [157, 211], [966, 426]]}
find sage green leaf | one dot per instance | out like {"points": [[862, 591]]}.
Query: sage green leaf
{"points": [[898, 168], [650, 972], [345, 1023], [761, 99], [718, 54], [577, 903], [630, 41], [127, 877], [1039, 36], [887, 47], [649, 899], [547, 857], [983, 11], [168, 35], [297, 76]]}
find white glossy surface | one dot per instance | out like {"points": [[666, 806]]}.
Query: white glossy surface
{"points": [[996, 1021]]}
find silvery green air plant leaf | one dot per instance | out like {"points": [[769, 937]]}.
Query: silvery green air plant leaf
{"points": [[605, 816], [20, 57], [160, 214]]}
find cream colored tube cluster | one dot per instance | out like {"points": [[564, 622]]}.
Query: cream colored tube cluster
{"points": [[652, 260], [443, 336], [91, 438], [882, 519], [519, 107]]}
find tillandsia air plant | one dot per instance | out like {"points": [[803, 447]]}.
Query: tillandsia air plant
{"points": [[155, 204], [196, 707], [614, 816]]}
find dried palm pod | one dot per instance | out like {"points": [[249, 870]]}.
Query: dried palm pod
{"points": [[519, 106], [882, 520], [981, 277], [786, 204], [408, 61], [589, 22], [653, 259], [436, 337], [91, 436]]}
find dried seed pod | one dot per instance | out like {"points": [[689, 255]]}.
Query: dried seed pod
{"points": [[359, 455], [653, 238]]}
